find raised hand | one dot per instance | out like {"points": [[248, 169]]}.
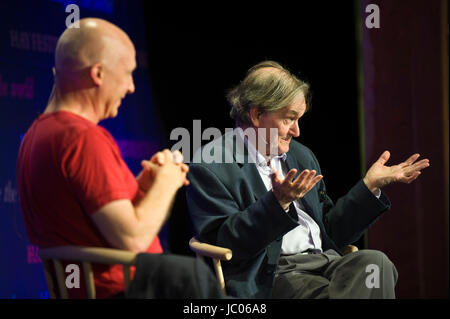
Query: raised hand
{"points": [[380, 175], [288, 190]]}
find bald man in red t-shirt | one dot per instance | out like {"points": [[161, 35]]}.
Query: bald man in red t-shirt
{"points": [[74, 187]]}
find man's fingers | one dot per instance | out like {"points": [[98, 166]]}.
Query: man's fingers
{"points": [[421, 164], [162, 157], [290, 176], [311, 184], [416, 166], [412, 159], [411, 178], [147, 165], [144, 164], [158, 158], [275, 177], [184, 168], [305, 183], [309, 178], [177, 157], [167, 155], [304, 178], [384, 157], [301, 177], [315, 180]]}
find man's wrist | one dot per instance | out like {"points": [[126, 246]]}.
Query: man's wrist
{"points": [[374, 189], [285, 206]]}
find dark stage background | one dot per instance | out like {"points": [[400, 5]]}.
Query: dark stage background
{"points": [[372, 90], [200, 55]]}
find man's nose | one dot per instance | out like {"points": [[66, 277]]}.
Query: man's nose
{"points": [[294, 130]]}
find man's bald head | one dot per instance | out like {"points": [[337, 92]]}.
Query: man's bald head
{"points": [[93, 70], [95, 41]]}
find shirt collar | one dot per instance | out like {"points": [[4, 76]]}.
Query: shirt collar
{"points": [[255, 155]]}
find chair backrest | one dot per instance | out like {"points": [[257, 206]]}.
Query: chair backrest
{"points": [[86, 256], [216, 253]]}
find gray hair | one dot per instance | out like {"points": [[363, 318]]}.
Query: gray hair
{"points": [[268, 86]]}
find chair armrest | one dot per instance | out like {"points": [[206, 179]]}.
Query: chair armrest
{"points": [[349, 249], [89, 254], [211, 251]]}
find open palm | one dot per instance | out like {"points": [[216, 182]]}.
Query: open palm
{"points": [[380, 175]]}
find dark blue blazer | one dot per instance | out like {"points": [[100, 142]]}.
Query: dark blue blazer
{"points": [[230, 207]]}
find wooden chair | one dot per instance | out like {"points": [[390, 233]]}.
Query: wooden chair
{"points": [[217, 254], [86, 256]]}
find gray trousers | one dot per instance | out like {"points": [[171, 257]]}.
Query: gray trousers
{"points": [[363, 274]]}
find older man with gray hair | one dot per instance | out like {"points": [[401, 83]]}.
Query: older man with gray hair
{"points": [[272, 209]]}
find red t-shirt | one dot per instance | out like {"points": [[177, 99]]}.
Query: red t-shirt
{"points": [[67, 169]]}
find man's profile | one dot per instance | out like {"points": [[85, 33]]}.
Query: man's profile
{"points": [[74, 186]]}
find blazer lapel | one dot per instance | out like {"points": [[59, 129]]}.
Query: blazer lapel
{"points": [[251, 173], [241, 157]]}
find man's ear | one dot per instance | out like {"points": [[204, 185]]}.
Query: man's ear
{"points": [[97, 74], [255, 113]]}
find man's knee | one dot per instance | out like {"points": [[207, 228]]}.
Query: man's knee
{"points": [[371, 259], [374, 256]]}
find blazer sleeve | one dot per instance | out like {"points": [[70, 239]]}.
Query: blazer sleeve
{"points": [[219, 218], [352, 214]]}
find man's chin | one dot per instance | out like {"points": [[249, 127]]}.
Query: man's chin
{"points": [[283, 146], [114, 112]]}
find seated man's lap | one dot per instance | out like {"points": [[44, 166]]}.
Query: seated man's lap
{"points": [[329, 275]]}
